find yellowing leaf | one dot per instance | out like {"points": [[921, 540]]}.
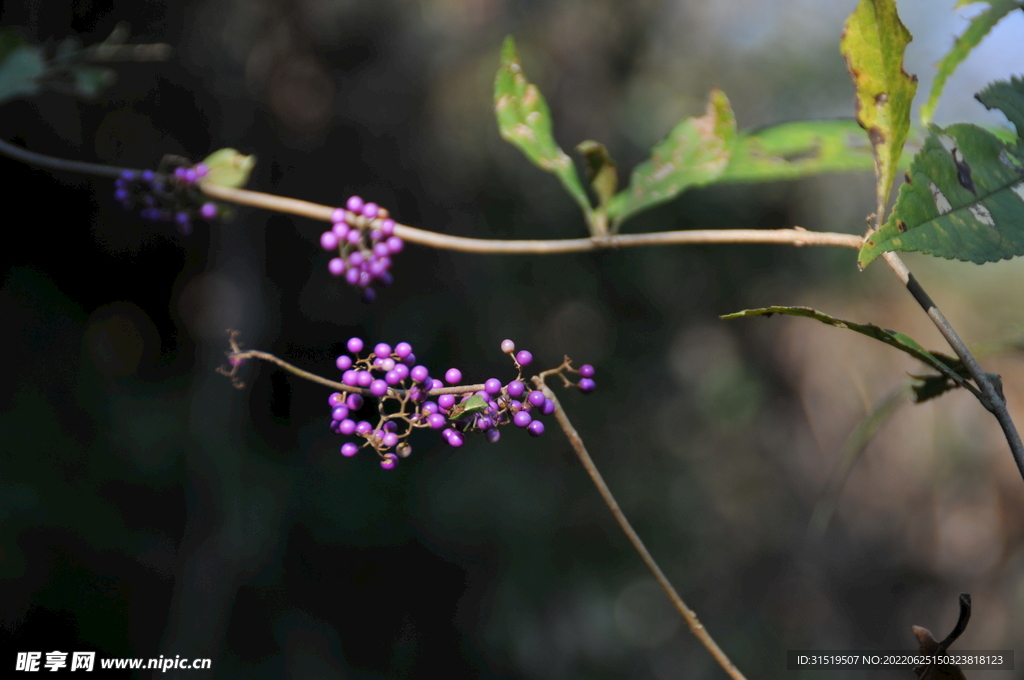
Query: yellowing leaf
{"points": [[229, 168], [873, 44]]}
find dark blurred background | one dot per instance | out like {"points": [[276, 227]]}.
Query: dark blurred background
{"points": [[147, 507]]}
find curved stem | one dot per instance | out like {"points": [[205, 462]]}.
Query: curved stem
{"points": [[42, 160], [341, 387], [795, 236], [696, 627], [991, 398]]}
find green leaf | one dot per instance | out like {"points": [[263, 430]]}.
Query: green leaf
{"points": [[21, 66], [229, 168], [89, 80], [696, 152], [601, 171], [799, 149], [895, 339], [473, 405], [873, 44], [964, 195], [525, 121], [978, 29]]}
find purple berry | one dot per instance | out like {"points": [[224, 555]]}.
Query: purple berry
{"points": [[343, 362], [341, 230], [492, 386], [507, 346], [586, 385], [403, 450], [336, 399], [516, 388], [436, 421], [428, 408], [392, 377], [356, 259], [328, 240], [447, 432], [403, 349], [522, 419], [453, 376], [352, 276], [339, 413], [536, 398], [548, 408], [370, 210], [387, 227], [419, 374], [338, 215], [347, 426], [402, 371], [536, 428], [354, 401], [587, 371], [389, 439], [353, 236], [380, 249], [391, 426], [389, 461], [354, 204], [456, 439], [348, 449], [436, 384], [382, 350], [446, 401], [364, 378], [350, 378], [378, 388], [492, 436], [363, 427], [147, 175], [208, 211], [336, 266], [355, 345], [202, 170], [395, 244], [524, 358], [191, 176]]}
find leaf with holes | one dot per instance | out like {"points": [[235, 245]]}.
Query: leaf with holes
{"points": [[793, 150], [696, 152], [873, 43], [21, 66], [525, 121], [964, 194], [978, 29]]}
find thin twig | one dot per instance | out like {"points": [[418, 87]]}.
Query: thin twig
{"points": [[32, 158], [696, 627], [795, 236], [342, 387], [992, 399]]}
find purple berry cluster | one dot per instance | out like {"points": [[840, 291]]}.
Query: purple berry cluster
{"points": [[166, 196], [364, 236], [409, 398]]}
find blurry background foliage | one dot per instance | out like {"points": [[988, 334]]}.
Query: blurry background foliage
{"points": [[148, 508]]}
